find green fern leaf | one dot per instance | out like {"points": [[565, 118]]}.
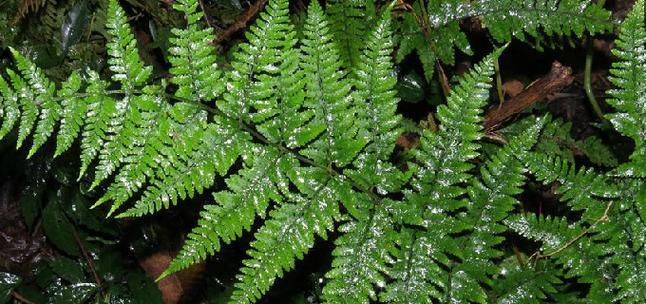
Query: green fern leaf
{"points": [[248, 84], [124, 60], [327, 95], [194, 67], [439, 42], [629, 96], [361, 253], [627, 246], [583, 248], [194, 169], [289, 232], [582, 190], [349, 23], [435, 196], [9, 110], [130, 71], [43, 92], [507, 19], [72, 113], [28, 108], [376, 103], [100, 111], [250, 191], [518, 284]]}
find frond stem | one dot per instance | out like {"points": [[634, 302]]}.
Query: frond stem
{"points": [[604, 217]]}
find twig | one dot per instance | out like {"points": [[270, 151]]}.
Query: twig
{"points": [[207, 18], [519, 256], [21, 298], [90, 262], [558, 78], [444, 80], [587, 81], [241, 23]]}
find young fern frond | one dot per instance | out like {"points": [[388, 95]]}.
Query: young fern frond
{"points": [[629, 96]]}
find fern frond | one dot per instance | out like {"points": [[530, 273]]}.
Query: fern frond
{"points": [[124, 59], [629, 96], [327, 95], [133, 127], [627, 248], [580, 259], [248, 84], [361, 254], [582, 189], [518, 284], [289, 233], [194, 167], [491, 199], [250, 191], [438, 42], [254, 75], [556, 140], [551, 231], [376, 100], [9, 110], [435, 196], [100, 111], [131, 73], [453, 146], [507, 19], [194, 67], [582, 248], [412, 271], [349, 23], [72, 113], [42, 110]]}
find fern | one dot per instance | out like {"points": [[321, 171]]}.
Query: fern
{"points": [[518, 284], [507, 19], [302, 129], [604, 246], [34, 91], [629, 98], [503, 19], [350, 22], [586, 257], [556, 140]]}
